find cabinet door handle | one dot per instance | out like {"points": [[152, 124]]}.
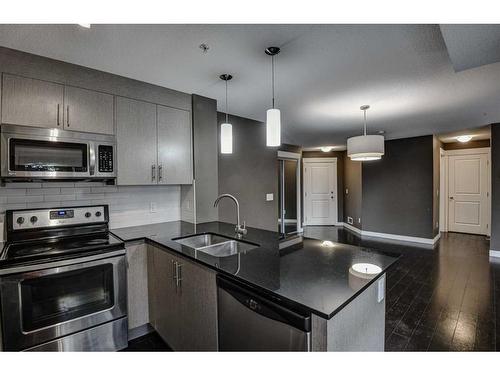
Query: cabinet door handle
{"points": [[58, 116], [153, 173], [160, 168], [174, 271], [67, 116], [178, 273]]}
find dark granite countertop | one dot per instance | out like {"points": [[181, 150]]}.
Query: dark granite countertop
{"points": [[319, 278]]}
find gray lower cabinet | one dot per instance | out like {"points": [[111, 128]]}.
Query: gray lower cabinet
{"points": [[182, 301], [31, 102], [136, 142], [88, 111], [175, 162], [137, 285]]}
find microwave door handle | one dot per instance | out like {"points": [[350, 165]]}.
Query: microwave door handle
{"points": [[92, 159]]}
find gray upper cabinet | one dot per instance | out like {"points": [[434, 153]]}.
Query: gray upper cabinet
{"points": [[88, 111], [31, 102], [136, 142], [174, 146]]}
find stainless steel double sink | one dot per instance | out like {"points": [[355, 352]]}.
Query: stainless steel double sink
{"points": [[215, 245]]}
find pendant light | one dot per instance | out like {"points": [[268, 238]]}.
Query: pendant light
{"points": [[273, 115], [365, 147], [226, 129]]}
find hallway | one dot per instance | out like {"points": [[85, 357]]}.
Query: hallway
{"points": [[445, 299]]}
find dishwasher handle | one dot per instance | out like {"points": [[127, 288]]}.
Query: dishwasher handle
{"points": [[264, 306]]}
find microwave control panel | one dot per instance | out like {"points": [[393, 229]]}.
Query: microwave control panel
{"points": [[105, 158]]}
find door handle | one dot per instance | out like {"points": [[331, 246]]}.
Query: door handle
{"points": [[178, 273], [174, 270], [67, 116], [58, 116], [153, 172], [160, 168], [451, 198]]}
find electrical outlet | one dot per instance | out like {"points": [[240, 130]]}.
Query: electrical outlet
{"points": [[359, 220], [350, 220], [152, 207], [269, 197], [346, 191]]}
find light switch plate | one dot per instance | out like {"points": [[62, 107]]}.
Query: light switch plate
{"points": [[381, 289], [269, 197]]}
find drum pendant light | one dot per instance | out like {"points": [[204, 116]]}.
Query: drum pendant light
{"points": [[273, 115], [365, 147], [226, 129]]}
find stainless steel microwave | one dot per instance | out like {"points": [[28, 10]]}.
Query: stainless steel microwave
{"points": [[39, 153]]}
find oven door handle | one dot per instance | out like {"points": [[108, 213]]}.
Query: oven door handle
{"points": [[92, 158]]}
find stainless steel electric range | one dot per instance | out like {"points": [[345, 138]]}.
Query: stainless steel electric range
{"points": [[62, 281]]}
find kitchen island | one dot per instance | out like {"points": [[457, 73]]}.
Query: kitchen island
{"points": [[341, 286]]}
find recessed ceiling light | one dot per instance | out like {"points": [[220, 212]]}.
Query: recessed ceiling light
{"points": [[85, 25], [464, 138], [326, 148]]}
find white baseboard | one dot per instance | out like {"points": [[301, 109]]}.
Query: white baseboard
{"points": [[396, 237], [495, 253]]}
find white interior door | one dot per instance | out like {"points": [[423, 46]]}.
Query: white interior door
{"points": [[468, 198], [320, 192]]}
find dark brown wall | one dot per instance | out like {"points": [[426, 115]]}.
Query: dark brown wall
{"points": [[436, 161], [249, 173], [398, 189], [340, 155], [352, 191], [495, 187], [470, 144]]}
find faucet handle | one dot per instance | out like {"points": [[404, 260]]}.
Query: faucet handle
{"points": [[244, 224]]}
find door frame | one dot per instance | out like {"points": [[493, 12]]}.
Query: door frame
{"points": [[444, 198], [286, 155], [321, 160]]}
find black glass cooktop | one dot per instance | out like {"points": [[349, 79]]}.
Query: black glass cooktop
{"points": [[54, 247]]}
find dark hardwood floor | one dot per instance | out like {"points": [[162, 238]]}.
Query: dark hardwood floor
{"points": [[442, 299]]}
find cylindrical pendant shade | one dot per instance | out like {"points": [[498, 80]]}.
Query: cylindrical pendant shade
{"points": [[226, 138], [273, 127], [365, 147]]}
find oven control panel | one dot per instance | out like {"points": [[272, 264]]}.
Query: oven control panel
{"points": [[42, 218], [105, 158]]}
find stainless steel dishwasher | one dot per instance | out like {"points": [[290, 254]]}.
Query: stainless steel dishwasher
{"points": [[251, 322]]}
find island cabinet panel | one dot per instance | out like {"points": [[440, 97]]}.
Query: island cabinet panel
{"points": [[137, 285], [359, 326], [136, 142], [88, 111], [32, 102], [183, 301], [175, 161]]}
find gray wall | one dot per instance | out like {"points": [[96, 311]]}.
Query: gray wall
{"points": [[249, 173], [398, 189], [495, 187], [205, 162], [353, 199]]}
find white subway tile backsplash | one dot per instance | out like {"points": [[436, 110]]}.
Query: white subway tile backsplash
{"points": [[25, 198], [129, 205], [43, 191]]}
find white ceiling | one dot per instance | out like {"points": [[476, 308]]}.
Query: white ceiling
{"points": [[323, 74]]}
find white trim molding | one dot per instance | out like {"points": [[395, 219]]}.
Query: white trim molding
{"points": [[395, 237], [494, 253]]}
